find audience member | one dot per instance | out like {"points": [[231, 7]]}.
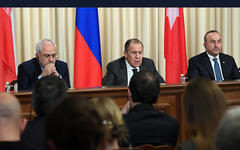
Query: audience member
{"points": [[147, 125], [75, 124], [213, 64], [47, 92], [120, 71], [11, 124], [204, 105], [228, 133], [112, 119], [43, 64]]}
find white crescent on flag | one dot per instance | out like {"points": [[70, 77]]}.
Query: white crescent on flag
{"points": [[172, 14], [7, 10]]}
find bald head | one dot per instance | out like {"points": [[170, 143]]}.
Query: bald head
{"points": [[11, 121], [9, 107]]}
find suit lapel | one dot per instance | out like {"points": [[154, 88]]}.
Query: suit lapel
{"points": [[223, 65], [142, 66], [38, 68], [208, 65], [58, 67], [123, 72]]}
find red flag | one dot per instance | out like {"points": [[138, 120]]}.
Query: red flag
{"points": [[174, 45], [7, 60], [87, 58]]}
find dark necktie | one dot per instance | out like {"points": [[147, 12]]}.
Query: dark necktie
{"points": [[217, 70], [134, 71]]}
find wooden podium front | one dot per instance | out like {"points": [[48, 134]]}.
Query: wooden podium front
{"points": [[169, 101]]}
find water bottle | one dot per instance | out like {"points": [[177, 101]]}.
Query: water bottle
{"points": [[7, 87], [182, 79]]}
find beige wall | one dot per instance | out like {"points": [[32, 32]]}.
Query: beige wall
{"points": [[119, 24]]}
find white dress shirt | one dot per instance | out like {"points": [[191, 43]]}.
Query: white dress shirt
{"points": [[129, 71]]}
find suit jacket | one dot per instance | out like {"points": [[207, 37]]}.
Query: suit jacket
{"points": [[146, 125], [200, 65], [15, 145], [34, 133], [117, 71], [29, 71]]}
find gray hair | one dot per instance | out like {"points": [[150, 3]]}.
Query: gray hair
{"points": [[228, 133], [39, 45]]}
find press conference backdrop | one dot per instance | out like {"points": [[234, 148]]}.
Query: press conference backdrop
{"points": [[116, 25]]}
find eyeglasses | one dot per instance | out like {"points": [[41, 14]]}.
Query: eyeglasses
{"points": [[48, 56]]}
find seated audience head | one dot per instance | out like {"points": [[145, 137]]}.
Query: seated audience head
{"points": [[112, 119], [204, 106], [46, 52], [75, 124], [47, 92], [144, 88], [11, 121], [228, 133], [133, 52]]}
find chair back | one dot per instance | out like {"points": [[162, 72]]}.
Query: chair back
{"points": [[13, 85]]}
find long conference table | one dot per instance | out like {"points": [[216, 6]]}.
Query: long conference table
{"points": [[169, 101]]}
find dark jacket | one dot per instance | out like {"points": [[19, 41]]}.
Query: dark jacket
{"points": [[117, 71], [34, 133], [146, 125], [200, 65], [29, 71], [15, 145]]}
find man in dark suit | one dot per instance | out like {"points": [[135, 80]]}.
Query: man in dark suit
{"points": [[43, 64], [47, 93], [120, 71], [204, 63], [147, 125]]}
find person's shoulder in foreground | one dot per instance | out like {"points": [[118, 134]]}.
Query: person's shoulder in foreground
{"points": [[47, 93], [204, 105], [227, 136], [75, 124], [11, 124], [144, 89]]}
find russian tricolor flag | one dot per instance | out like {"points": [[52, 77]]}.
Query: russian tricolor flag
{"points": [[87, 58]]}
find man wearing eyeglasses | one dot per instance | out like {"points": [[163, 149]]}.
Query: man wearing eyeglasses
{"points": [[120, 71], [43, 64]]}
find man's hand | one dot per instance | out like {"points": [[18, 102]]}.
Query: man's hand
{"points": [[49, 69], [55, 72]]}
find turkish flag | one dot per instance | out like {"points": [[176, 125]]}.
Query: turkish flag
{"points": [[174, 45], [7, 59]]}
